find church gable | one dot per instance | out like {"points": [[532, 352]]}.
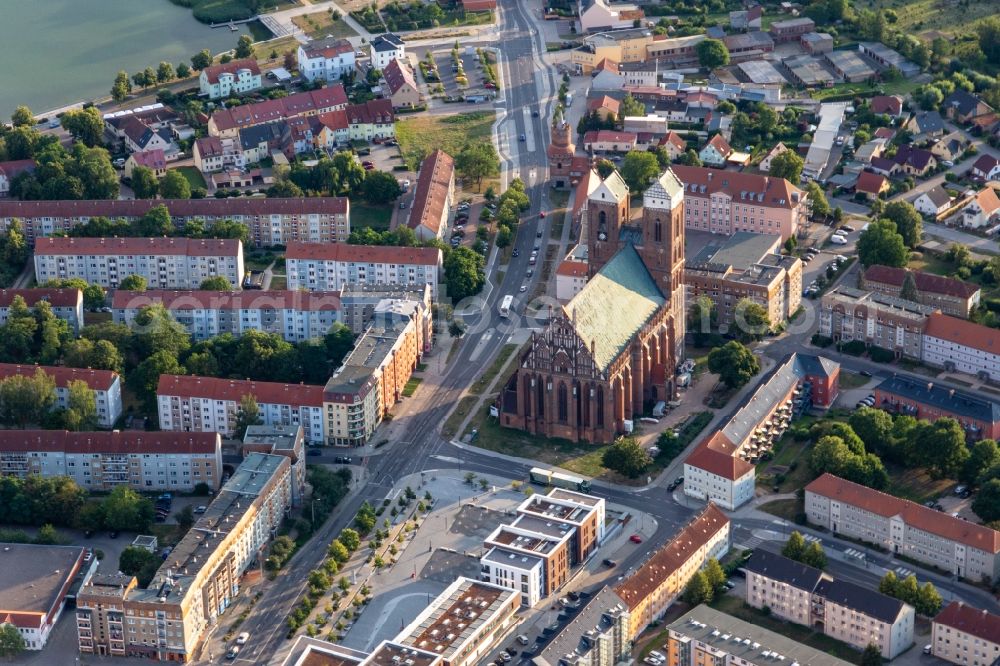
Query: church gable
{"points": [[558, 349]]}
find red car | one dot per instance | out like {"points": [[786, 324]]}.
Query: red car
{"points": [[489, 86], [635, 538], [542, 214]]}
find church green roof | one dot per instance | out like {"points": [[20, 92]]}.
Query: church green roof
{"points": [[614, 306]]}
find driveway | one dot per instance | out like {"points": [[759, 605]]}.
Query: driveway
{"points": [[952, 235]]}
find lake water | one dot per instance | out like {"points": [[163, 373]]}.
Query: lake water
{"points": [[57, 52]]}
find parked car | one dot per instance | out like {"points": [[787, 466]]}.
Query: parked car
{"points": [[608, 562], [201, 509], [314, 452], [635, 538]]}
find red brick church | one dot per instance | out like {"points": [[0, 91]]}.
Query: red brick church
{"points": [[610, 353]]}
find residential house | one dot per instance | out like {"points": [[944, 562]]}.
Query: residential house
{"points": [[790, 30], [954, 297], [902, 527], [958, 345], [673, 144], [402, 86], [886, 133], [962, 106], [949, 147], [765, 164], [609, 141], [433, 196], [977, 413], [209, 154], [11, 170], [915, 161], [603, 15], [326, 59], [716, 151], [883, 166], [746, 19], [872, 185], [386, 48], [226, 123], [987, 167], [606, 76], [598, 634], [925, 125], [154, 160], [236, 77], [870, 150], [963, 634], [370, 120], [840, 609], [876, 319], [137, 136], [650, 124], [724, 202], [621, 46], [933, 202], [571, 278], [816, 43], [982, 210], [605, 106], [890, 105]]}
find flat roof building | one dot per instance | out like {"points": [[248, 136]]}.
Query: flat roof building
{"points": [[597, 634]]}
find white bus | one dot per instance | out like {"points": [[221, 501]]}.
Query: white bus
{"points": [[505, 305]]}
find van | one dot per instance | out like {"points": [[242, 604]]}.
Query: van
{"points": [[522, 639], [838, 240]]}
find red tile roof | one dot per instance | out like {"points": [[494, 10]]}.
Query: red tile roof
{"points": [[926, 282], [151, 159], [376, 111], [569, 268], [717, 455], [307, 301], [915, 515], [884, 133], [96, 379], [478, 5], [889, 104], [304, 103], [335, 120], [608, 65], [988, 201], [870, 183], [604, 102], [721, 145], [14, 168], [187, 208], [127, 441], [209, 146], [670, 557], [430, 199], [777, 192], [214, 388], [599, 136], [232, 67], [397, 74], [58, 298], [970, 620], [191, 247], [674, 139], [327, 48], [963, 332], [371, 254]]}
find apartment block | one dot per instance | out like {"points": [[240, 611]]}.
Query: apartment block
{"points": [[208, 404], [364, 389], [724, 202], [236, 77], [318, 267], [66, 304], [165, 263], [326, 59], [958, 345], [965, 635], [270, 221], [294, 315], [535, 554], [597, 635], [721, 468], [902, 527], [105, 385], [928, 401], [201, 576], [840, 609], [147, 461], [226, 123], [888, 322], [704, 636], [747, 266], [433, 196], [308, 651], [953, 297], [463, 624], [658, 581], [280, 440]]}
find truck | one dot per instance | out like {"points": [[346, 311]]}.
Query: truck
{"points": [[547, 477]]}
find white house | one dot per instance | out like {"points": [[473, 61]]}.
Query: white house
{"points": [[10, 170], [714, 472], [716, 151], [236, 77], [987, 167], [933, 202], [959, 345], [386, 48], [599, 15], [982, 210], [765, 164], [326, 59]]}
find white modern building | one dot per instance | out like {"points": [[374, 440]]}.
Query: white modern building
{"points": [[208, 404], [386, 48], [236, 77], [101, 460], [323, 267], [326, 59], [959, 345], [105, 385], [165, 263]]}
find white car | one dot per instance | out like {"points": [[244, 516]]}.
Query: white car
{"points": [[838, 240], [243, 638], [657, 655]]}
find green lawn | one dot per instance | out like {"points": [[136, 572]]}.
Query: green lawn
{"points": [[322, 24], [915, 484], [849, 380], [373, 217], [916, 16], [454, 420], [783, 508], [411, 386], [193, 176], [420, 135], [901, 87], [483, 383]]}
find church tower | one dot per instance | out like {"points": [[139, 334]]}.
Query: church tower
{"points": [[607, 212], [560, 151]]}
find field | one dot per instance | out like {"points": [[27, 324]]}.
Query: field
{"points": [[321, 24], [418, 136], [948, 15], [374, 217], [901, 87], [193, 176]]}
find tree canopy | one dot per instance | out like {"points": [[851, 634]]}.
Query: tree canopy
{"points": [[787, 165], [734, 363], [882, 244], [627, 457], [712, 53]]}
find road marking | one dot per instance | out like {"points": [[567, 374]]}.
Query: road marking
{"points": [[810, 537], [904, 572], [447, 459]]}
